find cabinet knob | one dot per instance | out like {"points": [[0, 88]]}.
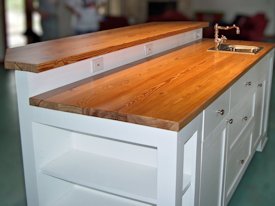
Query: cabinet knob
{"points": [[260, 85], [221, 112], [245, 118], [242, 162], [230, 121], [248, 83]]}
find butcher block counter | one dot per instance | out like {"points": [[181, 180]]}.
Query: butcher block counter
{"points": [[139, 116], [166, 91], [52, 54]]}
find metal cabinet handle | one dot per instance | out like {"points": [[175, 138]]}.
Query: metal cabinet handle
{"points": [[260, 85], [248, 83], [221, 112], [230, 121], [245, 118]]}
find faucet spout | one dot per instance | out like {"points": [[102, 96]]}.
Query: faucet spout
{"points": [[218, 41]]}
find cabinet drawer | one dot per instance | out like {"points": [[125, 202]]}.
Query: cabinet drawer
{"points": [[241, 116], [215, 113], [237, 158], [243, 86]]}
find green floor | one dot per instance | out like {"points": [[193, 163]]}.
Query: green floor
{"points": [[256, 189]]}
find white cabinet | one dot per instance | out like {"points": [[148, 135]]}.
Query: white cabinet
{"points": [[234, 125]]}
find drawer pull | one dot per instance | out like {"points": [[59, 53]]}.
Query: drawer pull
{"points": [[221, 112], [245, 118], [248, 83], [260, 85], [230, 121], [242, 162]]}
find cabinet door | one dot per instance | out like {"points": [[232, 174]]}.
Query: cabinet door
{"points": [[258, 112], [213, 167]]}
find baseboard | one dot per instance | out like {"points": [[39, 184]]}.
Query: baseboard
{"points": [[262, 144]]}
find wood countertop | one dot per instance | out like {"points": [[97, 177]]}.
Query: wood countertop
{"points": [[166, 91], [44, 56]]}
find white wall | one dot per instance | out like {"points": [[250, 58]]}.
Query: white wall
{"points": [[233, 7], [2, 49]]}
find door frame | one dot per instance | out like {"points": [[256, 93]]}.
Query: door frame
{"points": [[4, 26]]}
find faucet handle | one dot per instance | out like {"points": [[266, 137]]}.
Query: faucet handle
{"points": [[224, 37]]}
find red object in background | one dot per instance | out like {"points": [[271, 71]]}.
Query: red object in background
{"points": [[112, 22], [254, 27]]}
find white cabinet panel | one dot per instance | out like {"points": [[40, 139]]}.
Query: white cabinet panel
{"points": [[237, 159], [213, 168], [216, 112], [258, 112]]}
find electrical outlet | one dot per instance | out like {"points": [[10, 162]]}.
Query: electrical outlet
{"points": [[198, 35], [148, 48], [97, 64]]}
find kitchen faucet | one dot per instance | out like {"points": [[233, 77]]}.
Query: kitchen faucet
{"points": [[218, 41]]}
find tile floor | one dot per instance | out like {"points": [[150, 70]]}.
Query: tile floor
{"points": [[256, 189]]}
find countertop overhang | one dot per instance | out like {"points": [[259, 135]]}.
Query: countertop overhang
{"points": [[165, 91], [48, 55]]}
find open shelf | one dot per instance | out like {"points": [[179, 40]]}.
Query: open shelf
{"points": [[107, 174], [87, 197]]}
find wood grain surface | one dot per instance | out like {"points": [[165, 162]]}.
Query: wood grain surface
{"points": [[166, 91], [44, 56]]}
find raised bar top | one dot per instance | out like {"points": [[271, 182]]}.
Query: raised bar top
{"points": [[166, 91], [44, 56]]}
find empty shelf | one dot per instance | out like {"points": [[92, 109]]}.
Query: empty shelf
{"points": [[86, 197], [115, 176]]}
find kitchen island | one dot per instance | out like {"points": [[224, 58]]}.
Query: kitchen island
{"points": [[142, 115]]}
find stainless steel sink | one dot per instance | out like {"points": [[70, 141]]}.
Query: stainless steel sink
{"points": [[241, 49]]}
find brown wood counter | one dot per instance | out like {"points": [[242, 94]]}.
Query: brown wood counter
{"points": [[166, 91], [51, 54]]}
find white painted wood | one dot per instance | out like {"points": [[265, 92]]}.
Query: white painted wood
{"points": [[169, 185], [216, 112], [77, 71], [235, 170], [26, 138], [212, 169], [107, 174], [171, 150], [117, 130], [186, 183], [270, 63], [79, 196], [246, 84], [192, 135], [125, 151], [241, 114], [259, 112], [239, 153]]}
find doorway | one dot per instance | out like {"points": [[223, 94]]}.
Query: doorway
{"points": [[15, 23]]}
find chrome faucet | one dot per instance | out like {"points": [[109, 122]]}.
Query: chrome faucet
{"points": [[219, 41]]}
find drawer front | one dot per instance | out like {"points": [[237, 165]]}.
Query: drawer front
{"points": [[216, 112], [241, 116], [243, 86], [237, 158]]}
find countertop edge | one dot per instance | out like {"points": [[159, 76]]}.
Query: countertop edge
{"points": [[48, 65]]}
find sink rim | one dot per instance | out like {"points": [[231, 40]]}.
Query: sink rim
{"points": [[237, 49]]}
